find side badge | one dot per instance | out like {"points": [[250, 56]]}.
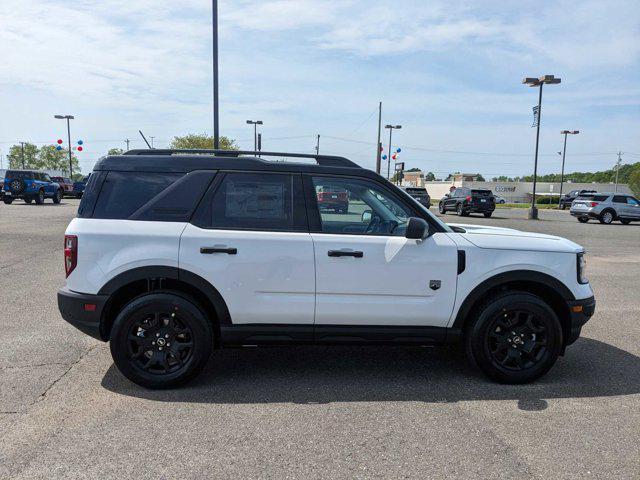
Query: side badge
{"points": [[434, 284]]}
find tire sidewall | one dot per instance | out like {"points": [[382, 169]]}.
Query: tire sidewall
{"points": [[189, 312], [602, 217], [476, 335]]}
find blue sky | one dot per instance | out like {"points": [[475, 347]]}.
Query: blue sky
{"points": [[449, 72]]}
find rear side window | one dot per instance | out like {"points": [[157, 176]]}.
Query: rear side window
{"points": [[251, 201], [620, 199], [585, 196], [18, 175], [123, 193], [600, 198]]}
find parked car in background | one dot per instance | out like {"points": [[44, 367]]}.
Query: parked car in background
{"points": [[499, 199], [420, 194], [65, 183], [466, 200], [79, 186], [606, 207], [332, 198], [567, 199], [30, 185]]}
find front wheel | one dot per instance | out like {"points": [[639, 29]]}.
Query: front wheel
{"points": [[28, 199], [606, 217], [487, 214], [161, 340], [515, 338], [583, 219], [441, 208], [40, 197], [57, 198], [625, 221]]}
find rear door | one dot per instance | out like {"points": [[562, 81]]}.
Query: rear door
{"points": [[250, 240], [367, 272]]}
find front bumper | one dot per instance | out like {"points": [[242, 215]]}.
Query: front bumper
{"points": [[580, 313], [82, 310]]}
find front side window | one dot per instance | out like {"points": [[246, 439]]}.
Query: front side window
{"points": [[632, 201], [358, 207], [252, 201]]}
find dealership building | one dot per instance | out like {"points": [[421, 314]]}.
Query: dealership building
{"points": [[512, 192]]}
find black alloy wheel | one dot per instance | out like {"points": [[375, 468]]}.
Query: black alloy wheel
{"points": [[40, 197], [583, 219], [28, 199], [57, 197], [161, 340], [460, 210]]}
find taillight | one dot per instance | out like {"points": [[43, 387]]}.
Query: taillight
{"points": [[594, 204], [70, 253], [468, 199]]}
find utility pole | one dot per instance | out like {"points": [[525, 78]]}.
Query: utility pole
{"points": [[255, 132], [127, 142], [618, 169], [68, 118], [564, 152], [318, 145], [152, 141], [216, 106], [378, 143], [22, 150]]}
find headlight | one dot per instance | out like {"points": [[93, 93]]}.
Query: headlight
{"points": [[582, 268]]}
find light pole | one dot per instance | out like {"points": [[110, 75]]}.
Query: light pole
{"points": [[216, 107], [564, 152], [537, 82], [67, 118], [391, 129], [255, 132]]}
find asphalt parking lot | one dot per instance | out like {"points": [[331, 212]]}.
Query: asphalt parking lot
{"points": [[320, 412]]}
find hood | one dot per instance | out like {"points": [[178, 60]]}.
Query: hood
{"points": [[511, 239]]}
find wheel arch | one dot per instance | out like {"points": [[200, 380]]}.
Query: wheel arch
{"points": [[131, 284], [550, 289]]}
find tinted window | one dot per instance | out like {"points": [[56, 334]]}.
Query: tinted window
{"points": [[620, 199], [124, 192], [364, 209], [19, 175], [252, 201], [45, 177], [57, 179], [585, 196], [481, 193], [599, 198]]}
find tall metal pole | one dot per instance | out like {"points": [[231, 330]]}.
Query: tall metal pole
{"points": [[69, 139], [378, 143], [618, 169], [127, 142], [564, 152], [533, 212], [152, 141], [255, 137], [22, 149], [318, 145], [389, 155], [216, 111]]}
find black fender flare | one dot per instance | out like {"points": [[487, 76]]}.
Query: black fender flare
{"points": [[528, 276], [174, 273]]}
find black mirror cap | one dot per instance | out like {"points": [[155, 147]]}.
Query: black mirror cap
{"points": [[417, 229]]}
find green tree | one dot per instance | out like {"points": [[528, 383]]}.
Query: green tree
{"points": [[429, 177], [30, 156], [201, 140], [50, 158], [115, 151], [634, 179]]}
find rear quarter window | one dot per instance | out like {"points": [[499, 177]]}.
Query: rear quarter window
{"points": [[600, 198], [123, 193]]}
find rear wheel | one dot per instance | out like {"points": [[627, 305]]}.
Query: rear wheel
{"points": [[487, 214], [583, 219], [57, 198], [515, 338], [460, 210], [28, 199], [161, 340], [7, 201], [40, 197], [606, 217]]}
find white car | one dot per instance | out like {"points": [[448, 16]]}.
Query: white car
{"points": [[173, 254], [499, 199]]}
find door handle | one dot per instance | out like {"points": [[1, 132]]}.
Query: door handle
{"points": [[345, 253], [227, 250]]}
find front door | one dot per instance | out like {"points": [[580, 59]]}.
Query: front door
{"points": [[367, 272], [253, 246]]}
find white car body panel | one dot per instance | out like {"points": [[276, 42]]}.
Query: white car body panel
{"points": [[270, 280], [389, 285], [107, 248]]}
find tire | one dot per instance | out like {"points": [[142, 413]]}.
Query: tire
{"points": [[460, 211], [7, 201], [39, 198], [625, 221], [168, 317], [526, 350], [583, 219], [441, 208], [563, 207], [57, 197], [607, 217], [28, 199], [488, 214], [17, 186]]}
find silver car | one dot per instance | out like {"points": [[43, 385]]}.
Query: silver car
{"points": [[606, 207]]}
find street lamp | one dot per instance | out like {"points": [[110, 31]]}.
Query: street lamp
{"points": [[537, 82], [564, 152], [216, 104], [391, 129], [255, 132], [67, 118]]}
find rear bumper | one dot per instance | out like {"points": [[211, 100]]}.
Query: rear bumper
{"points": [[82, 310], [583, 213], [581, 311], [480, 208]]}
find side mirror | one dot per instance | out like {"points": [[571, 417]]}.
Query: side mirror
{"points": [[417, 229], [366, 216]]}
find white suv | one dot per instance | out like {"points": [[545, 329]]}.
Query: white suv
{"points": [[174, 253]]}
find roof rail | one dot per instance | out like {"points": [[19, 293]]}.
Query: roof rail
{"points": [[324, 160]]}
